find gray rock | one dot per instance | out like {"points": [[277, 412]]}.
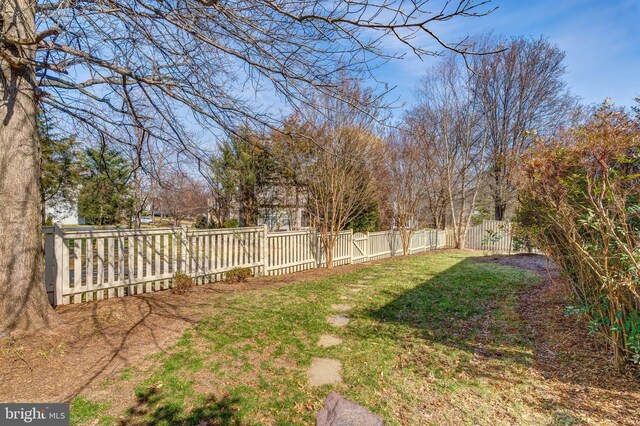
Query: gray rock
{"points": [[338, 411]]}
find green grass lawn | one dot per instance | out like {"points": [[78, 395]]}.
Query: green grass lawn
{"points": [[432, 340]]}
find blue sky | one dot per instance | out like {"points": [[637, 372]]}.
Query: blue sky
{"points": [[601, 39]]}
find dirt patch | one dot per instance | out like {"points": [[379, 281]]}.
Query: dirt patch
{"points": [[99, 339], [576, 367], [341, 308]]}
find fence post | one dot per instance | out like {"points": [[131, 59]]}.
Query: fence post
{"points": [[184, 249], [366, 248], [351, 245], [49, 261], [319, 250], [54, 262], [265, 251]]}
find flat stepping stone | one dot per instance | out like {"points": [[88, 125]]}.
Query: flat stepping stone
{"points": [[327, 340], [325, 371], [341, 308], [363, 282], [339, 411], [344, 298], [369, 277], [338, 320], [356, 289]]}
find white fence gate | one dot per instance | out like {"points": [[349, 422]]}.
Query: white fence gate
{"points": [[86, 265]]}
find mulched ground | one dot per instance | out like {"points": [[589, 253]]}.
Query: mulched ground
{"points": [[576, 367], [98, 339]]}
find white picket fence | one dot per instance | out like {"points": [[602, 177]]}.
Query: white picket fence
{"points": [[491, 235], [86, 265]]}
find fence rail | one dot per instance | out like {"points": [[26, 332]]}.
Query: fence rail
{"points": [[86, 265]]}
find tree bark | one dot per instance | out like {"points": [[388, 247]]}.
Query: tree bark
{"points": [[23, 299], [500, 208]]}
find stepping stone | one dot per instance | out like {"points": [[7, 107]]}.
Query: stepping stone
{"points": [[369, 277], [363, 282], [327, 340], [344, 297], [341, 308], [356, 289], [325, 371], [338, 411], [338, 320]]}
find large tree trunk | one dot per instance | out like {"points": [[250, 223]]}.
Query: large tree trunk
{"points": [[23, 300]]}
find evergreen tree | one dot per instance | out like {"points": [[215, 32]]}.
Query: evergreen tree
{"points": [[365, 220], [106, 195], [243, 171]]}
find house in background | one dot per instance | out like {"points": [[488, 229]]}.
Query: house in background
{"points": [[63, 213], [282, 209]]}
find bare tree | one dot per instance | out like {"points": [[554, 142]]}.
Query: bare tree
{"points": [[450, 117], [139, 179], [132, 65], [332, 152], [523, 97], [419, 123], [182, 197], [407, 186], [339, 182]]}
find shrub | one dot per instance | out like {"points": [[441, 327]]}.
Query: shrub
{"points": [[238, 275], [201, 222], [231, 223], [580, 203], [182, 283]]}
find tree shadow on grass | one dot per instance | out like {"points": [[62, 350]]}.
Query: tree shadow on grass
{"points": [[470, 316], [152, 409], [453, 307]]}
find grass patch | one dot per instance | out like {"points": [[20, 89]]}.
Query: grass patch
{"points": [[433, 339], [82, 410]]}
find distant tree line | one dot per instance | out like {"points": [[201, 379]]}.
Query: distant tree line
{"points": [[332, 165]]}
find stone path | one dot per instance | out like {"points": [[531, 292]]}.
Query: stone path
{"points": [[338, 320], [337, 410], [327, 340], [325, 371]]}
